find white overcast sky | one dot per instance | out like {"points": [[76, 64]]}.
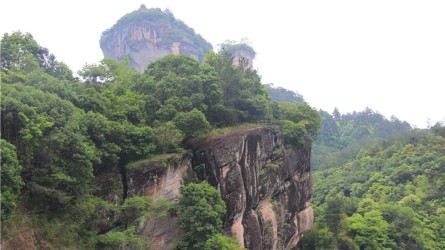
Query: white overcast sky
{"points": [[388, 55]]}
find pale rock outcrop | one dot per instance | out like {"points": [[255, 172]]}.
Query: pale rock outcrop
{"points": [[160, 179]]}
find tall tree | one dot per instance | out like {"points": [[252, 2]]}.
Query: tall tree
{"points": [[201, 210], [167, 135]]}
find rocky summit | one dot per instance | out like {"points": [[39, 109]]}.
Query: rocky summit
{"points": [[146, 35]]}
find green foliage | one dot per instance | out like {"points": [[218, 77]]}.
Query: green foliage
{"points": [[294, 133], [62, 232], [126, 239], [11, 181], [200, 210], [21, 55], [222, 242], [168, 135], [74, 229], [341, 135], [318, 237], [61, 135], [329, 132], [192, 123], [299, 122], [181, 85], [370, 230], [51, 143], [244, 97], [232, 47], [177, 65], [133, 208], [383, 196], [272, 166], [280, 94]]}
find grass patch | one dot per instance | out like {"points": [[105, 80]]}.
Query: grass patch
{"points": [[195, 141], [224, 130], [272, 166], [163, 159]]}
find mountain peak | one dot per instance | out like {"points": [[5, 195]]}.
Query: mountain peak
{"points": [[146, 35]]}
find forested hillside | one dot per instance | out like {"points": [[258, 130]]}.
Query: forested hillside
{"points": [[389, 195], [345, 134], [379, 183], [281, 94], [60, 132]]}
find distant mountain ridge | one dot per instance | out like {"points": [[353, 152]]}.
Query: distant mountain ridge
{"points": [[146, 35]]}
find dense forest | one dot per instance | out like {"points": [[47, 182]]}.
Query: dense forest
{"points": [[379, 183], [60, 131]]}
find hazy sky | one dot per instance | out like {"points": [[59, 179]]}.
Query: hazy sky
{"points": [[388, 55]]}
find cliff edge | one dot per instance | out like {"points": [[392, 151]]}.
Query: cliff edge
{"points": [[267, 188]]}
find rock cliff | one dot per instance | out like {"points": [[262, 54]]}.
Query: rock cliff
{"points": [[266, 187], [146, 35], [243, 54], [242, 58]]}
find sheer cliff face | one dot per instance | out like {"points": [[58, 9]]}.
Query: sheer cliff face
{"points": [[267, 189], [146, 35]]}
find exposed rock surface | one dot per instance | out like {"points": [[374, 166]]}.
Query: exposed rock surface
{"points": [[242, 58], [24, 236], [159, 179], [146, 35], [267, 188], [243, 54]]}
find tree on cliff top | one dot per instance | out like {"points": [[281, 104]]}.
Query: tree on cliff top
{"points": [[280, 94], [232, 47], [300, 122]]}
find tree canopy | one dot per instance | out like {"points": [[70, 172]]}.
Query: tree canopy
{"points": [[387, 195], [201, 210], [62, 134]]}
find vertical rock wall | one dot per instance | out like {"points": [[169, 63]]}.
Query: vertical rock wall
{"points": [[266, 187], [159, 179]]}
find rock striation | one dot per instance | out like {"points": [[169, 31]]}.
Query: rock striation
{"points": [[146, 35], [266, 187]]}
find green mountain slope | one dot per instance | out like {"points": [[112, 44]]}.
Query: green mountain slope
{"points": [[389, 195]]}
